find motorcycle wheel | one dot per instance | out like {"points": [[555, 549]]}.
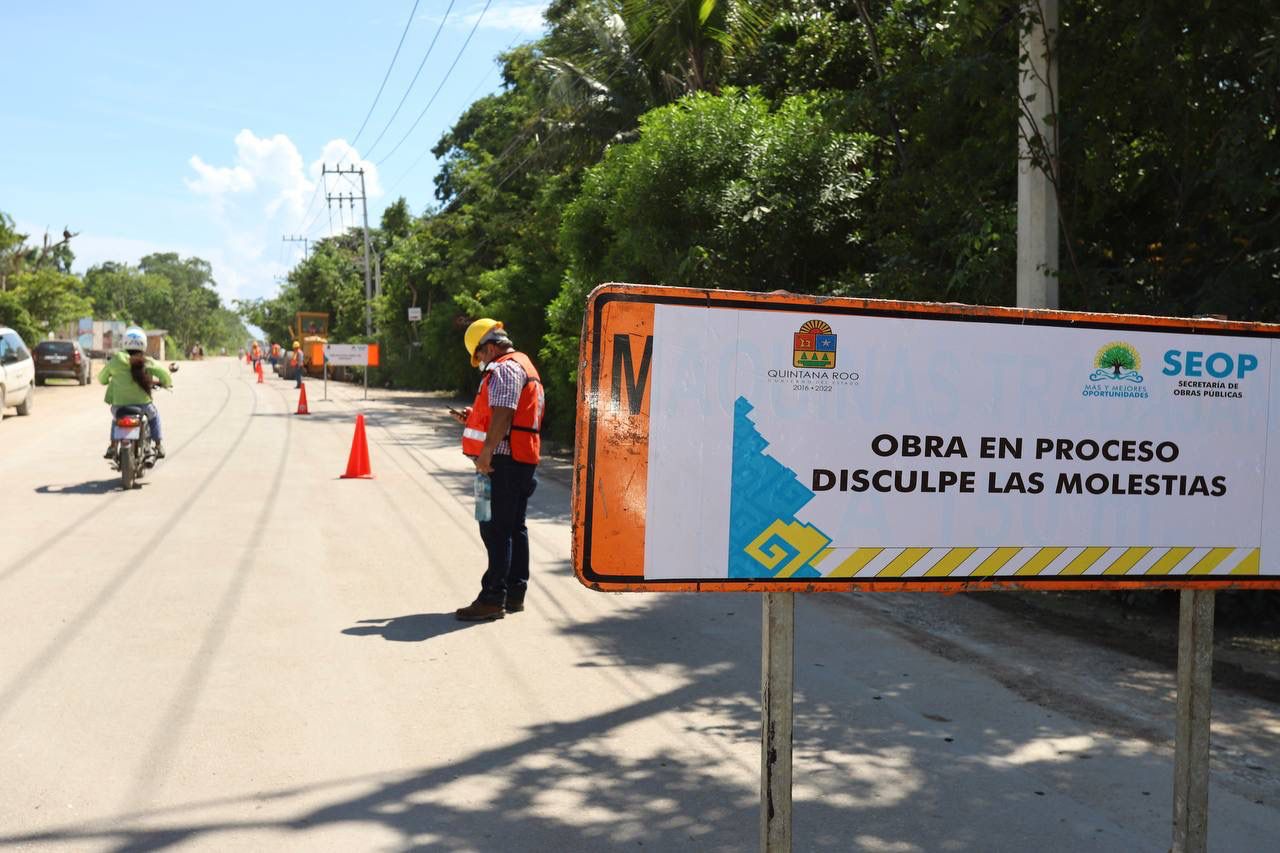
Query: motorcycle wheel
{"points": [[128, 465]]}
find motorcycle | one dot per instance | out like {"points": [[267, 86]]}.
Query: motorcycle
{"points": [[135, 451]]}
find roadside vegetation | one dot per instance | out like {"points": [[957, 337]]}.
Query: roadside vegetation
{"points": [[822, 146], [39, 294]]}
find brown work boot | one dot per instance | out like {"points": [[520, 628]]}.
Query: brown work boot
{"points": [[514, 605], [478, 611]]}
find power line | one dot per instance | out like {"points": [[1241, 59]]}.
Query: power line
{"points": [[470, 100], [447, 74], [387, 76], [421, 64], [315, 193]]}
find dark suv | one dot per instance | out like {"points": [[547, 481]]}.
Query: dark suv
{"points": [[61, 360]]}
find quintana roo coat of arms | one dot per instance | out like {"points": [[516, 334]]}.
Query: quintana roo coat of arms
{"points": [[814, 346]]}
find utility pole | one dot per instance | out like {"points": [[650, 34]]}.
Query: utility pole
{"points": [[364, 206], [303, 240], [1038, 156]]}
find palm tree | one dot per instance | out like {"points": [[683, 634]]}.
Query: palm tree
{"points": [[610, 61]]}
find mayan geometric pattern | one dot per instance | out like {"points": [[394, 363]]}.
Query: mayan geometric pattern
{"points": [[765, 540]]}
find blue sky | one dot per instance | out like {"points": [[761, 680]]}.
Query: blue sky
{"points": [[200, 127]]}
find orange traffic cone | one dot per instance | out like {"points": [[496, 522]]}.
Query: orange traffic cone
{"points": [[302, 402], [358, 462], [259, 371]]}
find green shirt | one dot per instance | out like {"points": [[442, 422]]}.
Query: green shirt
{"points": [[121, 389]]}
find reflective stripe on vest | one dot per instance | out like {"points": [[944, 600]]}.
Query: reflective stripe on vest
{"points": [[524, 438]]}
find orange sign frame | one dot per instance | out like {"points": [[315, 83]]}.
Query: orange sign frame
{"points": [[612, 436]]}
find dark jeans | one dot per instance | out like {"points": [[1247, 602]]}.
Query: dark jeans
{"points": [[505, 536], [153, 417]]}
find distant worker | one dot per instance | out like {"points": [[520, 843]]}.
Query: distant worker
{"points": [[130, 376], [255, 356], [298, 362], [501, 435], [275, 356]]}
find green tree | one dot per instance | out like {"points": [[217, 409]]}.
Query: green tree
{"points": [[11, 243], [718, 191], [14, 314], [1118, 357], [51, 298], [123, 292]]}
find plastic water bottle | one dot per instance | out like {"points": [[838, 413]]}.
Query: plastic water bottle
{"points": [[484, 495]]}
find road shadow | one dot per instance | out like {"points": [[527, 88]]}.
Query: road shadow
{"points": [[880, 767], [409, 629], [91, 487]]}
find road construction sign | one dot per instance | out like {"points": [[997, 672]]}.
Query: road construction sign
{"points": [[351, 355], [743, 441]]}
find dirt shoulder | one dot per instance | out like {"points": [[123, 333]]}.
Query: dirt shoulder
{"points": [[1246, 652]]}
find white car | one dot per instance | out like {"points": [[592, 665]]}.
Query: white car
{"points": [[17, 373]]}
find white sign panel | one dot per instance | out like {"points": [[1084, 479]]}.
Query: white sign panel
{"points": [[348, 355], [415, 315], [793, 444]]}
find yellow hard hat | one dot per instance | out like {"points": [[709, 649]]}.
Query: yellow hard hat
{"points": [[476, 333], [297, 345]]}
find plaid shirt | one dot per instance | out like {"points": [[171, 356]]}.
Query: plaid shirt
{"points": [[506, 381]]}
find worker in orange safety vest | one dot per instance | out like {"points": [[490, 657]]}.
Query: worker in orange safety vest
{"points": [[502, 434]]}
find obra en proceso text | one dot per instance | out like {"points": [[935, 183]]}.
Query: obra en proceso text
{"points": [[1021, 482]]}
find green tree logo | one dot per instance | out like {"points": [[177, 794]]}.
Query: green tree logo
{"points": [[1118, 357]]}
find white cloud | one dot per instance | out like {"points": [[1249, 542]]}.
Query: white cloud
{"points": [[514, 17], [268, 167], [269, 190], [215, 182], [339, 153]]}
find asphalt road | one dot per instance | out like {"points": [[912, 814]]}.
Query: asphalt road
{"points": [[248, 653]]}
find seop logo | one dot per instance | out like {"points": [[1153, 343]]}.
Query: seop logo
{"points": [[1216, 376]]}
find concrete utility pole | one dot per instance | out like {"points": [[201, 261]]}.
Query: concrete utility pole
{"points": [[364, 206], [1038, 157], [303, 240]]}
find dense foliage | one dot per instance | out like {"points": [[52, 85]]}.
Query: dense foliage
{"points": [[825, 146], [39, 295]]}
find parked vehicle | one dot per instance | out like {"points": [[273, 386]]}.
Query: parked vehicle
{"points": [[61, 360], [135, 451], [17, 373]]}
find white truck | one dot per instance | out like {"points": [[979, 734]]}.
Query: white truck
{"points": [[17, 373]]}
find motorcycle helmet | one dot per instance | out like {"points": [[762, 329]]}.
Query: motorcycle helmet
{"points": [[134, 339]]}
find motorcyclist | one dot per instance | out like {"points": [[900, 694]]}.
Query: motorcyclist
{"points": [[130, 376]]}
